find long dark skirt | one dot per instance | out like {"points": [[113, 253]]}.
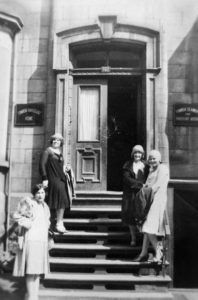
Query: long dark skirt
{"points": [[127, 213]]}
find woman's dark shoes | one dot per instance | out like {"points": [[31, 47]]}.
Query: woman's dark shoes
{"points": [[141, 258], [133, 243]]}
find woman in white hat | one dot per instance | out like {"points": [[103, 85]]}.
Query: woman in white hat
{"points": [[154, 225], [53, 177], [134, 175]]}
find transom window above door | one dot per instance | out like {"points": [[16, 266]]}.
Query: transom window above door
{"points": [[114, 55]]}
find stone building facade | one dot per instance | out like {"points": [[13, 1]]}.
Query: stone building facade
{"points": [[53, 50]]}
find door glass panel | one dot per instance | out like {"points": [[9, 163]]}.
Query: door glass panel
{"points": [[88, 113], [125, 59]]}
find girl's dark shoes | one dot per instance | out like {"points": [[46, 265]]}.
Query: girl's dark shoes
{"points": [[140, 258]]}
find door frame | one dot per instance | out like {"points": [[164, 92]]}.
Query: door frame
{"points": [[154, 83], [153, 86]]}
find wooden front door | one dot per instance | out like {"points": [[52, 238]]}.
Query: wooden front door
{"points": [[89, 134]]}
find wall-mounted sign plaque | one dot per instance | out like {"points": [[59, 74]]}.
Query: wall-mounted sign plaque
{"points": [[185, 114], [29, 114]]}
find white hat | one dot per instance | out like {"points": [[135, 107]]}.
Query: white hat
{"points": [[137, 148], [156, 154]]}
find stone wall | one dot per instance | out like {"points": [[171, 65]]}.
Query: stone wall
{"points": [[35, 80], [182, 44], [31, 86], [177, 23]]}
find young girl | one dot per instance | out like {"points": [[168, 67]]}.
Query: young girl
{"points": [[32, 260], [23, 216]]}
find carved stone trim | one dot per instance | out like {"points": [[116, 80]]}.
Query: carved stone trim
{"points": [[113, 71], [107, 29], [12, 22], [4, 164], [88, 164], [107, 26]]}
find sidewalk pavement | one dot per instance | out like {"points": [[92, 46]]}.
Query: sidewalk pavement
{"points": [[11, 288], [185, 294]]}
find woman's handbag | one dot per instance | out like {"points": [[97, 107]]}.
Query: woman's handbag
{"points": [[50, 239], [142, 204], [70, 183], [21, 237]]}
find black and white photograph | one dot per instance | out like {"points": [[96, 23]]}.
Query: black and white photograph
{"points": [[99, 149]]}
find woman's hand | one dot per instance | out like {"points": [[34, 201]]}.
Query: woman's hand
{"points": [[45, 183], [16, 216], [25, 222], [66, 168]]}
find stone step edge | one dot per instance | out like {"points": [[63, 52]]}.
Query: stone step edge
{"points": [[99, 262], [110, 278], [80, 193], [91, 234], [92, 221], [99, 193], [103, 295], [96, 208], [77, 246], [89, 198]]}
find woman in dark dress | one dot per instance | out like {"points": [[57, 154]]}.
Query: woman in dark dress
{"points": [[134, 175], [53, 176]]}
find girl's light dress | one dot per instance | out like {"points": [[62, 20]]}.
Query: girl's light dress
{"points": [[158, 181], [33, 258]]}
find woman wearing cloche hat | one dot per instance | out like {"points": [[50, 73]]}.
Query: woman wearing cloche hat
{"points": [[153, 226], [135, 172], [53, 177]]}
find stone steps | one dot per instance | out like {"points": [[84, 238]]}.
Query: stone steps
{"points": [[94, 223], [94, 260], [98, 198], [83, 249], [98, 263], [96, 209], [66, 248], [97, 201], [80, 235], [108, 278], [98, 194], [70, 294]]}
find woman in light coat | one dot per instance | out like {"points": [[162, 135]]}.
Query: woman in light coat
{"points": [[154, 224]]}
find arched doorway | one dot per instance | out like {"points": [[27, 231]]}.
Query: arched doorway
{"points": [[107, 107], [105, 98]]}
